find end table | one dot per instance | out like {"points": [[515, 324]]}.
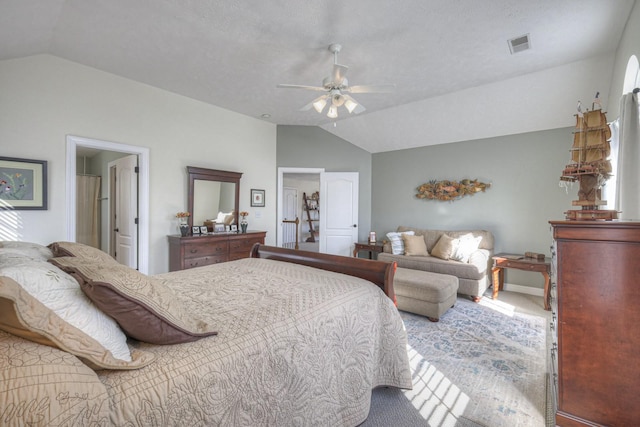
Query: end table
{"points": [[372, 248], [520, 262]]}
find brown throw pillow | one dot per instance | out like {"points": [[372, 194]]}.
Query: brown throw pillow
{"points": [[444, 247], [414, 245], [144, 308]]}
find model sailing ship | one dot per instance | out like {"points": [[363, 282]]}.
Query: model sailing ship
{"points": [[589, 164]]}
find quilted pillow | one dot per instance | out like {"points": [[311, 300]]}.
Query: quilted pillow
{"points": [[414, 245], [145, 308], [13, 252], [397, 244], [25, 316], [60, 293], [80, 250], [467, 245], [444, 247]]}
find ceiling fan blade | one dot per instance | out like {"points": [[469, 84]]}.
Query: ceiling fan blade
{"points": [[339, 74], [391, 88], [316, 88], [309, 105]]}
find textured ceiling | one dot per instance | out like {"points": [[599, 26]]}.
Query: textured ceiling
{"points": [[446, 58]]}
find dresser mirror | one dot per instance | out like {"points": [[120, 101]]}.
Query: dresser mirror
{"points": [[213, 194]]}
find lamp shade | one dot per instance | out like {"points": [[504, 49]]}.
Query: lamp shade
{"points": [[319, 104], [333, 112]]}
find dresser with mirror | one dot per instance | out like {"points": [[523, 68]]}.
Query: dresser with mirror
{"points": [[210, 193]]}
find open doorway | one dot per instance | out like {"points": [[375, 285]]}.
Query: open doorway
{"points": [[293, 184], [81, 148]]}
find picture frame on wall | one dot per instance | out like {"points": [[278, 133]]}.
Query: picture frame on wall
{"points": [[23, 184], [257, 198]]}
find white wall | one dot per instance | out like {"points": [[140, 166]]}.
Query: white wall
{"points": [[44, 98], [629, 45]]}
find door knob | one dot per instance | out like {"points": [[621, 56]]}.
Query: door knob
{"points": [[355, 225]]}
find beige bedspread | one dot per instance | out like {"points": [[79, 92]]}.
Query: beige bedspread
{"points": [[296, 346]]}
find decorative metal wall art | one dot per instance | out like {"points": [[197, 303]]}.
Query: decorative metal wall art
{"points": [[450, 190]]}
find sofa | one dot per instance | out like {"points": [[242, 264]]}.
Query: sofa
{"points": [[472, 269]]}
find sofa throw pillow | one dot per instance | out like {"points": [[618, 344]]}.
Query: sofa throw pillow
{"points": [[25, 316], [467, 245], [444, 247], [397, 244], [414, 245], [145, 308]]}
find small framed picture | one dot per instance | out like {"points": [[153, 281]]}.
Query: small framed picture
{"points": [[234, 227], [218, 228], [195, 230], [372, 237], [203, 229], [257, 198], [227, 228]]}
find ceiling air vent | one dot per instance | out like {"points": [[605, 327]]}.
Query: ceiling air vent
{"points": [[519, 44]]}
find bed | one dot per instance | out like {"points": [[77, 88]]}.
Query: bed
{"points": [[282, 338]]}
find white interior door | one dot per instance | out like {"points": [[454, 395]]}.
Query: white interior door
{"points": [[125, 196], [338, 212]]}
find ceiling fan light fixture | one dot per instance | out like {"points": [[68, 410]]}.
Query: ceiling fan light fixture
{"points": [[350, 105], [320, 104], [333, 112], [337, 100]]}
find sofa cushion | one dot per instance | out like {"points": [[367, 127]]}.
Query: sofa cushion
{"points": [[467, 245], [475, 269], [397, 244], [414, 245], [444, 247], [431, 236]]}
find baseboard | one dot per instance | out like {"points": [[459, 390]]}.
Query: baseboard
{"points": [[511, 287]]}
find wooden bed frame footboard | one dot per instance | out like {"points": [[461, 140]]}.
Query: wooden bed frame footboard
{"points": [[379, 272]]}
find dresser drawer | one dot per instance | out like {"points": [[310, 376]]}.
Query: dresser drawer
{"points": [[203, 249], [240, 248], [202, 261]]}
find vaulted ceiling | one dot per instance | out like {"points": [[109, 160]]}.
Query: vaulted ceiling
{"points": [[449, 59]]}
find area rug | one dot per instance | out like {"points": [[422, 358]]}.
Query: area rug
{"points": [[482, 364]]}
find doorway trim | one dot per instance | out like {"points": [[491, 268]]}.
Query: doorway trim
{"points": [[280, 202], [143, 193]]}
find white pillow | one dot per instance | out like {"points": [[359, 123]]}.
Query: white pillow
{"points": [[467, 245], [61, 293], [397, 244], [220, 219]]}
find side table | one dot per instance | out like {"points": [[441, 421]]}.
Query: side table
{"points": [[520, 262], [372, 248]]}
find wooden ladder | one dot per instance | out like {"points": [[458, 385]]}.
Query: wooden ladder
{"points": [[313, 232]]}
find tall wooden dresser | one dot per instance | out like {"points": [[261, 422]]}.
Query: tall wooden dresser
{"points": [[596, 323], [197, 251]]}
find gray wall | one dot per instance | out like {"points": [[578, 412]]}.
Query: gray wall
{"points": [[523, 171], [313, 147]]}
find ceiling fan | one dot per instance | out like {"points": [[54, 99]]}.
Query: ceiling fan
{"points": [[337, 90]]}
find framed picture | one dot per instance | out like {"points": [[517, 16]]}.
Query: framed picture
{"points": [[195, 230], [218, 228], [203, 229], [23, 184], [372, 237], [234, 227], [257, 198]]}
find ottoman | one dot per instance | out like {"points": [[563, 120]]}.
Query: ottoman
{"points": [[425, 293]]}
